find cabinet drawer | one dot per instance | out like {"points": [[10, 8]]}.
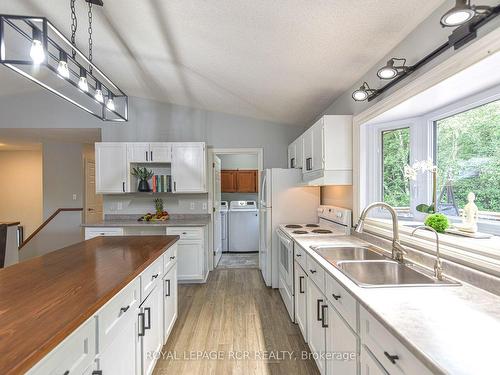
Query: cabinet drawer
{"points": [[315, 272], [383, 345], [75, 355], [300, 256], [114, 314], [343, 302], [151, 277], [169, 258], [186, 233], [95, 232], [369, 365]]}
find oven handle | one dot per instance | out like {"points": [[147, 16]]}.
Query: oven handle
{"points": [[283, 239]]}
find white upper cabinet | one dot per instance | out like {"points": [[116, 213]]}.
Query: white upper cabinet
{"points": [[189, 167], [145, 152], [295, 151], [327, 151], [111, 167]]}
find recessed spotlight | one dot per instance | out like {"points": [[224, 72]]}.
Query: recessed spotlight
{"points": [[461, 13], [390, 71]]}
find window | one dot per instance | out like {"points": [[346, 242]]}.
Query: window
{"points": [[395, 155], [467, 152]]}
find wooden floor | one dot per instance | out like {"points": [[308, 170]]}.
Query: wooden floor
{"points": [[233, 315]]}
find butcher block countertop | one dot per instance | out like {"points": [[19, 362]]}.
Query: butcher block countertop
{"points": [[46, 298]]}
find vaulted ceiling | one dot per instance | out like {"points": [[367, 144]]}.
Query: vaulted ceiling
{"points": [[279, 60]]}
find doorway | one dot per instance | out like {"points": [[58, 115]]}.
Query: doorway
{"points": [[235, 196]]}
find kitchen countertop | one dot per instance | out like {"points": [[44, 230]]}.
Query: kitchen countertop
{"points": [[46, 298], [450, 329], [174, 221], [10, 223]]}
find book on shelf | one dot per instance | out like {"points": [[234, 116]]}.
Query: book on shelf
{"points": [[162, 183]]}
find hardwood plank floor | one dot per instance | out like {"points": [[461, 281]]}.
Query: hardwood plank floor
{"points": [[237, 325]]}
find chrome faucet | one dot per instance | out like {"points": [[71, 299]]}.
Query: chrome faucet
{"points": [[438, 269], [398, 252]]}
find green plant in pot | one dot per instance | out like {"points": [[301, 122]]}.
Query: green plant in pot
{"points": [[439, 222], [143, 175]]}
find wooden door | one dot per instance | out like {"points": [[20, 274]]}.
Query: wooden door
{"points": [[246, 181], [228, 181], [93, 201]]}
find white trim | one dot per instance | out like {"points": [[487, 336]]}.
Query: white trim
{"points": [[259, 152], [462, 59]]}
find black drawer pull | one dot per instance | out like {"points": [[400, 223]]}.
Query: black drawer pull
{"points": [[97, 372], [298, 255], [323, 313], [148, 310], [336, 296], [300, 284], [155, 276], [168, 288], [66, 372], [312, 271], [391, 358], [318, 302], [124, 309], [142, 321], [172, 257]]}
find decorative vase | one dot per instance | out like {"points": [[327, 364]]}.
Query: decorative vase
{"points": [[143, 186]]}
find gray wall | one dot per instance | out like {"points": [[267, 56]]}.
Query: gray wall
{"points": [[153, 121], [239, 161], [424, 39]]}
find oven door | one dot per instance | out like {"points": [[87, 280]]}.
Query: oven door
{"points": [[285, 252]]}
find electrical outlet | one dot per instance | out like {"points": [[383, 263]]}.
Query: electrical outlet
{"points": [[204, 206], [192, 206], [74, 197]]}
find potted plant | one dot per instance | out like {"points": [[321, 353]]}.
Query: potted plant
{"points": [[143, 175]]}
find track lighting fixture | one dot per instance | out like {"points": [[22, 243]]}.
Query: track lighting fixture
{"points": [[389, 71], [37, 53], [363, 93], [62, 67], [463, 12]]}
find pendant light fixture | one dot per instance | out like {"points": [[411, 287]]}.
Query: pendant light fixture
{"points": [[363, 93], [37, 50]]}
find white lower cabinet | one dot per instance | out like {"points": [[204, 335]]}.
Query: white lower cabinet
{"points": [[341, 345], [191, 256], [369, 365], [315, 325], [91, 232], [301, 299], [169, 301], [151, 329]]}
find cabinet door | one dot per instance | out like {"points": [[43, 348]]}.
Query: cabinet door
{"points": [[315, 329], [299, 152], [111, 167], [292, 157], [301, 299], [317, 146], [152, 329], [228, 181], [189, 167], [369, 365], [138, 152], [342, 340], [160, 152], [308, 151], [120, 356], [190, 260], [246, 181], [169, 302]]}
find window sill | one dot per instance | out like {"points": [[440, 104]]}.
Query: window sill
{"points": [[481, 254]]}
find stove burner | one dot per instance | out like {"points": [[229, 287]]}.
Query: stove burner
{"points": [[293, 226], [312, 225], [299, 232], [321, 231]]}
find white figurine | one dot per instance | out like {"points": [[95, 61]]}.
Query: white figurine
{"points": [[470, 215]]}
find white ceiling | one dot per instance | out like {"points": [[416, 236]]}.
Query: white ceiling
{"points": [[283, 61]]}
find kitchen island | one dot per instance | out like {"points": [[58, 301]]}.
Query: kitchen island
{"points": [[46, 300]]}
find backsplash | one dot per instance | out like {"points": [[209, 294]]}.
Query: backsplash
{"points": [[140, 204]]}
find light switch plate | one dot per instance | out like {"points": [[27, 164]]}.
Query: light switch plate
{"points": [[192, 206]]}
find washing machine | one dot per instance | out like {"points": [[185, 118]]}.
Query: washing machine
{"points": [[223, 226], [243, 227]]}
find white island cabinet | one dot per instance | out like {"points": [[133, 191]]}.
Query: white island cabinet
{"points": [[125, 334]]}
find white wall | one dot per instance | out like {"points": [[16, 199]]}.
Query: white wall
{"points": [[21, 188], [239, 161]]}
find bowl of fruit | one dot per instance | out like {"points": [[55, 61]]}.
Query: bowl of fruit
{"points": [[160, 215]]}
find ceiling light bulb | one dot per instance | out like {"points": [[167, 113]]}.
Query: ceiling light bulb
{"points": [[388, 71], [458, 15], [98, 96], [360, 95], [82, 82], [110, 104], [37, 53], [62, 67]]}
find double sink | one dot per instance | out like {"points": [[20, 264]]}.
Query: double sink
{"points": [[370, 269]]}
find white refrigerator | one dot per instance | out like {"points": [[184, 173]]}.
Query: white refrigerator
{"points": [[283, 201]]}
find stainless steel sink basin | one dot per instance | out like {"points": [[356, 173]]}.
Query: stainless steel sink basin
{"points": [[388, 273], [336, 254]]}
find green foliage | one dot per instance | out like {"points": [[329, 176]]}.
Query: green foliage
{"points": [[437, 221], [427, 209], [396, 154], [159, 204], [142, 173]]}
